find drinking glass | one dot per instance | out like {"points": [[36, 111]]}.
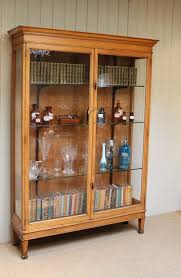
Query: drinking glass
{"points": [[57, 167], [69, 153], [44, 144]]}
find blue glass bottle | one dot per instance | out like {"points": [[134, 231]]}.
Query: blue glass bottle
{"points": [[124, 155]]}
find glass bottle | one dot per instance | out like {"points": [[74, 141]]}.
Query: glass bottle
{"points": [[109, 154], [46, 119], [38, 119], [50, 114], [35, 111], [131, 117], [124, 118], [124, 155], [101, 116], [118, 112]]}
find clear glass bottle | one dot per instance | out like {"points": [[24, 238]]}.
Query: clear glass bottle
{"points": [[109, 154]]}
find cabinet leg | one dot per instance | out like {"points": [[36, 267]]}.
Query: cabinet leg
{"points": [[141, 223], [24, 249], [14, 238]]}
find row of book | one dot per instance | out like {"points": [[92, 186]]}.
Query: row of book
{"points": [[57, 204], [112, 196], [58, 73], [64, 73], [116, 75]]}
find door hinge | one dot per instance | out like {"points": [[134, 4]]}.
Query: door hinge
{"points": [[92, 185]]}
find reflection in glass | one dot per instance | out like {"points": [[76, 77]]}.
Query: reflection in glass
{"points": [[34, 169]]}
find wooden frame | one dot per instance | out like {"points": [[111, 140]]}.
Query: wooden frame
{"points": [[78, 42]]}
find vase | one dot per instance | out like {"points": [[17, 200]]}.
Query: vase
{"points": [[103, 162]]}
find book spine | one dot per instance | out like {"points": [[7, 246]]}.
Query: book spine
{"points": [[30, 210], [62, 205], [129, 195], [51, 207], [73, 204], [84, 202], [38, 209], [65, 205], [45, 208]]}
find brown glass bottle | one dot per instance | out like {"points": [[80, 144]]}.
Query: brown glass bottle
{"points": [[118, 112], [34, 112], [131, 117], [38, 119], [46, 119], [50, 113], [124, 118]]}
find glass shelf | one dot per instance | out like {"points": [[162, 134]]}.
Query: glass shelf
{"points": [[58, 125], [79, 174], [120, 86], [124, 124], [85, 124], [116, 169]]}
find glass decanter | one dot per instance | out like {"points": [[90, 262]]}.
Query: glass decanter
{"points": [[34, 169]]}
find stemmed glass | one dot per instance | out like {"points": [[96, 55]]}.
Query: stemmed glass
{"points": [[69, 153], [44, 144]]}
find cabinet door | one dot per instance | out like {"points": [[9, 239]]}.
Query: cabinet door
{"points": [[17, 132], [119, 128], [60, 96]]}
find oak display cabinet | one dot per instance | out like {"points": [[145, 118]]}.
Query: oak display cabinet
{"points": [[61, 79]]}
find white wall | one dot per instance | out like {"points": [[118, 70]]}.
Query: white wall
{"points": [[159, 19]]}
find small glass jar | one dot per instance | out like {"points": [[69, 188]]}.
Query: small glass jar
{"points": [[101, 116], [118, 112], [38, 119], [124, 118], [131, 117], [50, 114], [34, 112], [46, 119]]}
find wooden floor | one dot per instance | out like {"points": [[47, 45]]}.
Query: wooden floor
{"points": [[114, 251]]}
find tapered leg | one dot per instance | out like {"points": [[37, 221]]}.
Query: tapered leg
{"points": [[141, 223], [14, 238], [24, 249]]}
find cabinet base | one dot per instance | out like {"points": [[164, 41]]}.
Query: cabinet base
{"points": [[25, 236], [141, 224]]}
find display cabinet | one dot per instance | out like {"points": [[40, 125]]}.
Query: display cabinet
{"points": [[80, 127]]}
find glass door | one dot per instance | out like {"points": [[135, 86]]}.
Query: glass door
{"points": [[59, 127], [119, 125]]}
